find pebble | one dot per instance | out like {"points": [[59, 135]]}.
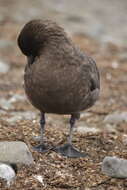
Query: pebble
{"points": [[7, 173], [4, 67], [39, 178], [114, 167], [124, 139], [86, 129], [115, 65], [15, 152], [116, 118]]}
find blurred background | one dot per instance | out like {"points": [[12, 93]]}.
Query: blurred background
{"points": [[99, 27], [103, 19]]}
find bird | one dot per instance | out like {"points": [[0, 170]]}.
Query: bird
{"points": [[59, 77]]}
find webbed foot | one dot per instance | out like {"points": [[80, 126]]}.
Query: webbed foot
{"points": [[69, 151]]}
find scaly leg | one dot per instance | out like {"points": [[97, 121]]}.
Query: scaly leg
{"points": [[42, 147], [68, 149]]}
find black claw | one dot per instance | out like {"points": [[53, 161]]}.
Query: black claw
{"points": [[42, 148], [69, 151]]}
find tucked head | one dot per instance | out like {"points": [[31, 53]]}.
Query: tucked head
{"points": [[36, 33]]}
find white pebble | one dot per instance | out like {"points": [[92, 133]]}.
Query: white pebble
{"points": [[4, 67], [86, 129], [39, 178], [7, 173], [115, 64]]}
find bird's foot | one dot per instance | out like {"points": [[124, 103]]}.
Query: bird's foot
{"points": [[42, 148], [69, 151]]}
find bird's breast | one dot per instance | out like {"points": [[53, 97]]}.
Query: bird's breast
{"points": [[54, 90]]}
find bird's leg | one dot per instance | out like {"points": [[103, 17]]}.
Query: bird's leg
{"points": [[68, 149], [41, 137], [42, 124], [72, 125], [42, 147]]}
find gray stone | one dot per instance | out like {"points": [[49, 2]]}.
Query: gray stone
{"points": [[4, 67], [114, 167], [15, 152], [116, 118], [7, 173]]}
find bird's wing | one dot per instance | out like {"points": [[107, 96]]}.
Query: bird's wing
{"points": [[91, 73]]}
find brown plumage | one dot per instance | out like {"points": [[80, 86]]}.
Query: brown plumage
{"points": [[59, 77]]}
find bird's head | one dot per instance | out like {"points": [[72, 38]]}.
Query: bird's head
{"points": [[36, 34]]}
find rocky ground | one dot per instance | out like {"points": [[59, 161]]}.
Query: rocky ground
{"points": [[101, 131]]}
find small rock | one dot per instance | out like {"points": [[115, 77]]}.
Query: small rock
{"points": [[85, 129], [7, 173], [85, 114], [114, 167], [4, 67], [124, 139], [15, 152], [115, 64], [116, 118], [39, 178], [108, 76]]}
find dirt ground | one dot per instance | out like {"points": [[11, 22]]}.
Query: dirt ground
{"points": [[60, 173]]}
